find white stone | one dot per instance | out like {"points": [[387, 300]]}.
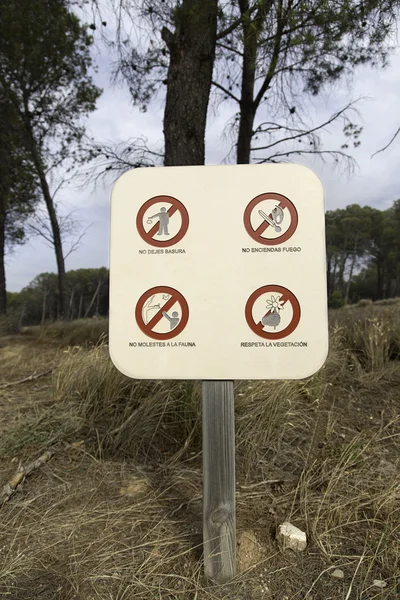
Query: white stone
{"points": [[378, 583], [289, 536], [338, 573]]}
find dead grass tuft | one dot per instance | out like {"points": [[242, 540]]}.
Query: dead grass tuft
{"points": [[119, 515], [80, 332]]}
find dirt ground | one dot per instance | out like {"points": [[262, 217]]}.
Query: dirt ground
{"points": [[116, 513]]}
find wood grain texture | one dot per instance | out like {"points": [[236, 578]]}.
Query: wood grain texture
{"points": [[219, 519]]}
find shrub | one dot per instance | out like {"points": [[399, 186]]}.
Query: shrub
{"points": [[336, 300]]}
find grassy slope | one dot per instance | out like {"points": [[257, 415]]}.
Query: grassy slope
{"points": [[116, 514]]}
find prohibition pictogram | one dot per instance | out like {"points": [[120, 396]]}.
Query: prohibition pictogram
{"points": [[276, 225], [162, 313], [263, 310], [152, 226]]}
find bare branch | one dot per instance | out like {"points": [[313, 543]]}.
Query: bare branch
{"points": [[333, 153], [309, 131], [229, 48], [120, 157], [235, 24], [387, 145], [227, 92], [75, 245]]}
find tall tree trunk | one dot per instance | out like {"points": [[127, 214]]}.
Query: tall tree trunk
{"points": [[247, 105], [51, 209], [192, 52], [249, 100], [3, 291]]}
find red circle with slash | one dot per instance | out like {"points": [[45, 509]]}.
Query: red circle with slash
{"points": [[256, 234], [286, 296], [148, 236], [147, 328]]}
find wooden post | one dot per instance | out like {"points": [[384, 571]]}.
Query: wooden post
{"points": [[219, 519]]}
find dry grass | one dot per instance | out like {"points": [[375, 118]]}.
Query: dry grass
{"points": [[71, 333], [118, 515]]}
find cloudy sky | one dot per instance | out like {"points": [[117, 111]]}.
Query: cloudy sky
{"points": [[375, 182]]}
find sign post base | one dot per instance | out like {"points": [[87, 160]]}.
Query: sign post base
{"points": [[219, 519]]}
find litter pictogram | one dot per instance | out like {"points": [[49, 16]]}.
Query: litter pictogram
{"points": [[162, 221], [272, 312], [162, 313], [270, 219]]}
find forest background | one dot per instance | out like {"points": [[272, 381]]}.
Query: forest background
{"points": [[280, 83]]}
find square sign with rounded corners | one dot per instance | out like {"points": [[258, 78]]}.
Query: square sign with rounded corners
{"points": [[218, 273]]}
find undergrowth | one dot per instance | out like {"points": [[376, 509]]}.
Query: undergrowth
{"points": [[121, 518]]}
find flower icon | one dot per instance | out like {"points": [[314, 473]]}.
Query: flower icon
{"points": [[274, 304]]}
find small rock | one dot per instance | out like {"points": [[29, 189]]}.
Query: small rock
{"points": [[135, 487], [249, 551], [289, 536], [338, 573], [378, 583]]}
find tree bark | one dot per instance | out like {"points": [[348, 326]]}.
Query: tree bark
{"points": [[3, 291], [55, 228], [192, 53], [249, 101], [247, 105]]}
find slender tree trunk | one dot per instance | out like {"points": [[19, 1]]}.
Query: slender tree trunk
{"points": [[44, 309], [329, 275], [80, 306], [71, 305], [98, 304], [192, 52], [353, 262], [21, 318], [348, 284], [342, 267], [3, 291], [92, 300], [379, 280], [51, 209], [334, 274]]}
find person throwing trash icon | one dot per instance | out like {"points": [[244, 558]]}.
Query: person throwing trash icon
{"points": [[163, 221], [173, 321]]}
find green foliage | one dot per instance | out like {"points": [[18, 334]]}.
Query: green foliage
{"points": [[336, 300], [45, 67], [18, 184], [87, 295], [366, 238]]}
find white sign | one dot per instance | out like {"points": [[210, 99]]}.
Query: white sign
{"points": [[218, 273]]}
